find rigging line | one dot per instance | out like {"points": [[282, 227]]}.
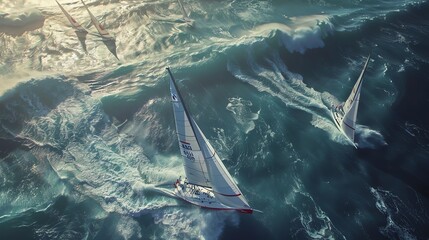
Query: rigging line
{"points": [[184, 108]]}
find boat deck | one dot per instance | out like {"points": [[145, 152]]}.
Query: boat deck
{"points": [[198, 195]]}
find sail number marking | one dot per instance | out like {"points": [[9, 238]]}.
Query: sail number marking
{"points": [[189, 155], [187, 151], [186, 146]]}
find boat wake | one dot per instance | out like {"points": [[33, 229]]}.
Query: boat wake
{"points": [[369, 138], [86, 142], [277, 81]]}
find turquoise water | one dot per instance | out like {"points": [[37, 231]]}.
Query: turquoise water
{"points": [[87, 143]]}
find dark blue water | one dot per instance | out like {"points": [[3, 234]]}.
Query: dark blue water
{"points": [[87, 143]]}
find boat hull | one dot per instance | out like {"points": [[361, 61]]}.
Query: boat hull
{"points": [[202, 197], [337, 120]]}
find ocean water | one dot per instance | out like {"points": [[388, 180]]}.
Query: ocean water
{"points": [[87, 143]]}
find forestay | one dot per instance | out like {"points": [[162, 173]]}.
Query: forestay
{"points": [[72, 21], [224, 187]]}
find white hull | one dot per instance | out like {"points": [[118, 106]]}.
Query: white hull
{"points": [[201, 197], [212, 185], [337, 119]]}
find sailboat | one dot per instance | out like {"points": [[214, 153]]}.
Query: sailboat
{"points": [[185, 18], [345, 114], [208, 183], [73, 22], [103, 32]]}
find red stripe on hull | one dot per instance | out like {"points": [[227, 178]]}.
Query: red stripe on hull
{"points": [[246, 211], [230, 195]]}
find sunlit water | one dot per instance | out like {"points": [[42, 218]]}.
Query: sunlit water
{"points": [[87, 143]]}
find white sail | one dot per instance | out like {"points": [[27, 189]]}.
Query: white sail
{"points": [[103, 32], [72, 21], [350, 107], [195, 166], [345, 114], [209, 167], [224, 187]]}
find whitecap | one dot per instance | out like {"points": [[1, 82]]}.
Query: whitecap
{"points": [[242, 113]]}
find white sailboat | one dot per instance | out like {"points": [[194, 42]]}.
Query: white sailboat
{"points": [[208, 183], [103, 32], [345, 114], [72, 21], [185, 18]]}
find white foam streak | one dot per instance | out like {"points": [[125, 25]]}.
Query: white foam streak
{"points": [[398, 225], [194, 223], [242, 113], [369, 138], [315, 222], [279, 82], [106, 164]]}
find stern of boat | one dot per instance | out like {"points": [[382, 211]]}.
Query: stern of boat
{"points": [[202, 197]]}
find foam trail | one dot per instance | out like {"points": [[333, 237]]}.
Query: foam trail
{"points": [[279, 82], [400, 217], [106, 165]]}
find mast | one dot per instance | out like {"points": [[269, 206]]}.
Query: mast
{"points": [[103, 32], [185, 14], [348, 123], [224, 187], [72, 21], [195, 165]]}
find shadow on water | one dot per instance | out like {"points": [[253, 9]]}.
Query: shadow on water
{"points": [[111, 46], [82, 38]]}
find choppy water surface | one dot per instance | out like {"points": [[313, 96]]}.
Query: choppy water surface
{"points": [[87, 143]]}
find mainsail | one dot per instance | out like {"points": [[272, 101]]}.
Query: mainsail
{"points": [[97, 24], [350, 107], [195, 166], [73, 22], [202, 164]]}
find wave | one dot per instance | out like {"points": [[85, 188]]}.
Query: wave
{"points": [[315, 223], [29, 184], [104, 132], [279, 82], [368, 138], [242, 114], [96, 160], [401, 219], [16, 23]]}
